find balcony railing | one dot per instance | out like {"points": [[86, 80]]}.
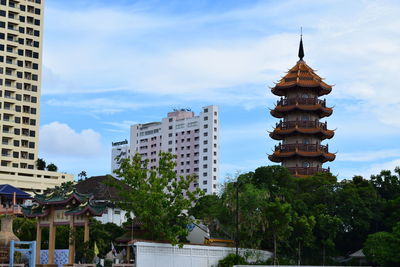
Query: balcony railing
{"points": [[284, 125], [301, 101], [307, 170], [10, 209], [301, 147]]}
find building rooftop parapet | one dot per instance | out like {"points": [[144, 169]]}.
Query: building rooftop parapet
{"points": [[181, 114]]}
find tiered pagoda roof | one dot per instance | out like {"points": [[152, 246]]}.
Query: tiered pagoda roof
{"points": [[319, 152], [286, 106], [288, 128], [301, 75], [300, 129]]}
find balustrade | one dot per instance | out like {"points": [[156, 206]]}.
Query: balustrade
{"points": [[301, 124], [301, 147], [307, 170], [301, 101]]}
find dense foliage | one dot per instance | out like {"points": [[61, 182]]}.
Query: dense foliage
{"points": [[158, 196], [309, 220], [231, 259]]}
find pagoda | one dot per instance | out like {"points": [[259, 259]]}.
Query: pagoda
{"points": [[299, 128]]}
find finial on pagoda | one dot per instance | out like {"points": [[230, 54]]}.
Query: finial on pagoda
{"points": [[301, 50]]}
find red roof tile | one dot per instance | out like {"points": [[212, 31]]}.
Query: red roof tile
{"points": [[301, 75]]}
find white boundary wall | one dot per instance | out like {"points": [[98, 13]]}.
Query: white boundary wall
{"points": [[158, 254]]}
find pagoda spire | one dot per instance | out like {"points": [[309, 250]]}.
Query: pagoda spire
{"points": [[301, 50]]}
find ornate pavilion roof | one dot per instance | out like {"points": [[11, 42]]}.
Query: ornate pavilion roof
{"points": [[88, 206], [54, 197], [65, 197], [35, 211], [301, 75]]}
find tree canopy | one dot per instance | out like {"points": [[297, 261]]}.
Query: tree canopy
{"points": [[158, 196], [308, 220]]}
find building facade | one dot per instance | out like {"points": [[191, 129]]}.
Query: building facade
{"points": [[21, 30], [119, 150], [193, 139], [300, 130]]}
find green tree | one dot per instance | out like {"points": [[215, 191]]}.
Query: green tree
{"points": [[103, 235], [158, 196], [82, 175], [276, 180], [387, 184], [231, 260], [303, 227], [52, 167], [40, 164], [359, 206], [327, 227], [250, 215], [209, 209], [383, 247], [392, 213], [25, 229], [277, 216]]}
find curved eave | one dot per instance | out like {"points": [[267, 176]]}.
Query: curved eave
{"points": [[86, 209], [305, 175], [59, 202], [278, 156], [280, 111], [302, 175], [35, 215], [280, 90], [278, 134]]}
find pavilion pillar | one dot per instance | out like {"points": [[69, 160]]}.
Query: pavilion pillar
{"points": [[71, 246], [86, 232], [38, 241], [128, 254], [52, 238]]}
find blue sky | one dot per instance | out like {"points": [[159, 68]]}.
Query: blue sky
{"points": [[110, 64]]}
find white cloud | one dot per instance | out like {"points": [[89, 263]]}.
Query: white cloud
{"points": [[60, 140], [355, 49], [230, 58], [377, 168], [104, 105], [124, 125], [368, 156], [369, 170]]}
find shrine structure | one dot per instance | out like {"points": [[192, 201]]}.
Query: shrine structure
{"points": [[11, 199], [299, 129], [62, 206]]}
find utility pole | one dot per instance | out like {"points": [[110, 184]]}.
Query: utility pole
{"points": [[237, 222]]}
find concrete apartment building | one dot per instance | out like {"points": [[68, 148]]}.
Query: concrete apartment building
{"points": [[21, 35], [120, 150], [194, 140]]}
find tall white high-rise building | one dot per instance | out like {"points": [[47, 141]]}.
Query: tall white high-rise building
{"points": [[21, 35], [193, 139]]}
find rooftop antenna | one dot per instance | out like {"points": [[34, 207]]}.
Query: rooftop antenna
{"points": [[301, 50]]}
